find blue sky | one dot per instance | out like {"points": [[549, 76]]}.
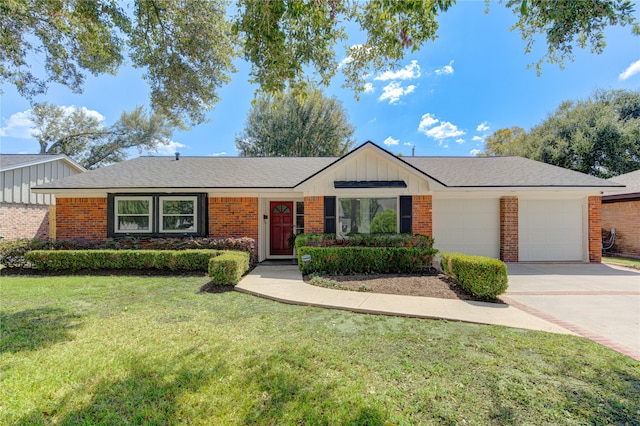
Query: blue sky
{"points": [[443, 100]]}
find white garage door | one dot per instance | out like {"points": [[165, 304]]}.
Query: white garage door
{"points": [[550, 230], [469, 226]]}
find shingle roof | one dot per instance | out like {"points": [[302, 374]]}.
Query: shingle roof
{"points": [[12, 161], [287, 172], [630, 192], [197, 172], [500, 172]]}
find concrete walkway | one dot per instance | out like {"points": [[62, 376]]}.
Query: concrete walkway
{"points": [[284, 284]]}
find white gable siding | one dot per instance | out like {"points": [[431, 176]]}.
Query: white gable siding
{"points": [[368, 165], [16, 183]]}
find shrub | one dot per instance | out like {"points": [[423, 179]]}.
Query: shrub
{"points": [[229, 267], [365, 240], [365, 260], [481, 276], [75, 260], [12, 253]]}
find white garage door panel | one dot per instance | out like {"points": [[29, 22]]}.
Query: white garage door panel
{"points": [[550, 230], [467, 226]]}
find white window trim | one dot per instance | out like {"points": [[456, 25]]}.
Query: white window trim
{"points": [[116, 215], [161, 215], [339, 198]]}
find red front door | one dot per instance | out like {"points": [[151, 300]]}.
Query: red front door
{"points": [[281, 226]]}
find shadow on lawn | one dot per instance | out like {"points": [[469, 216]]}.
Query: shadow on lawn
{"points": [[146, 396], [35, 329]]}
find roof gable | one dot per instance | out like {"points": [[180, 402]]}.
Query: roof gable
{"points": [[16, 161]]}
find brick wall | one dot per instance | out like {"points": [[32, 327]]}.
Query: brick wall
{"points": [[235, 217], [625, 217], [81, 218], [314, 215], [422, 215], [595, 229], [24, 221], [509, 229]]}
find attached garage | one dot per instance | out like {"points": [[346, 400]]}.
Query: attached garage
{"points": [[551, 230], [467, 225]]}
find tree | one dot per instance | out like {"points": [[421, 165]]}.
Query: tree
{"points": [[85, 138], [289, 125], [598, 136], [187, 47], [503, 142]]}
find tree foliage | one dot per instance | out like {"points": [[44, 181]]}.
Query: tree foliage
{"points": [[187, 47], [598, 136], [289, 125], [85, 138]]}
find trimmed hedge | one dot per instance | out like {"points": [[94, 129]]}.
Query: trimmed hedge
{"points": [[484, 277], [365, 260], [75, 260], [365, 240], [229, 267], [12, 253]]}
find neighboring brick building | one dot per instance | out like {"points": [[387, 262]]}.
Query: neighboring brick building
{"points": [[621, 210], [510, 208], [24, 214]]}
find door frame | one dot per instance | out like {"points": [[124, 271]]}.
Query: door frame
{"points": [[265, 234]]}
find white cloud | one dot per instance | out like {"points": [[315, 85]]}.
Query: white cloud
{"points": [[408, 144], [394, 91], [218, 154], [483, 127], [460, 141], [19, 125], [409, 72], [477, 139], [169, 147], [474, 152], [368, 88], [68, 110], [446, 70], [390, 141], [444, 130], [632, 69]]}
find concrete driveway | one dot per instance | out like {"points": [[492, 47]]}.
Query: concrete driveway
{"points": [[597, 301]]}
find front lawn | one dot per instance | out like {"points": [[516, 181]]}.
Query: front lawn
{"points": [[624, 261], [151, 350]]}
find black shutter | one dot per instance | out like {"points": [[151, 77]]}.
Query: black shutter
{"points": [[329, 215], [405, 214]]}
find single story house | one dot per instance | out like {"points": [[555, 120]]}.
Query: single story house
{"points": [[509, 208], [621, 210], [26, 214]]}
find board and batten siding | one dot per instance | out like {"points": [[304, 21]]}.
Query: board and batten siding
{"points": [[368, 165], [16, 183]]}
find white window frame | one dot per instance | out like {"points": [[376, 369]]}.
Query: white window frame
{"points": [[161, 214], [338, 206], [116, 215]]}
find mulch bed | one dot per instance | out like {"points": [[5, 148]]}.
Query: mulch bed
{"points": [[430, 285]]}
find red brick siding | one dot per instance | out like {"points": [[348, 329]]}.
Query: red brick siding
{"points": [[625, 217], [24, 221], [81, 218], [233, 217], [509, 229], [422, 215], [595, 229], [314, 215]]}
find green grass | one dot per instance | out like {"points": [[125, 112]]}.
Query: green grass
{"points": [[624, 261], [151, 350]]}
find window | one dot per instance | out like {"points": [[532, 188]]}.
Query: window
{"points": [[157, 215], [367, 215], [133, 214], [178, 214], [299, 217]]}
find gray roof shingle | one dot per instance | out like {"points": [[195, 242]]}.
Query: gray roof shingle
{"points": [[287, 172], [8, 161], [631, 180]]}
